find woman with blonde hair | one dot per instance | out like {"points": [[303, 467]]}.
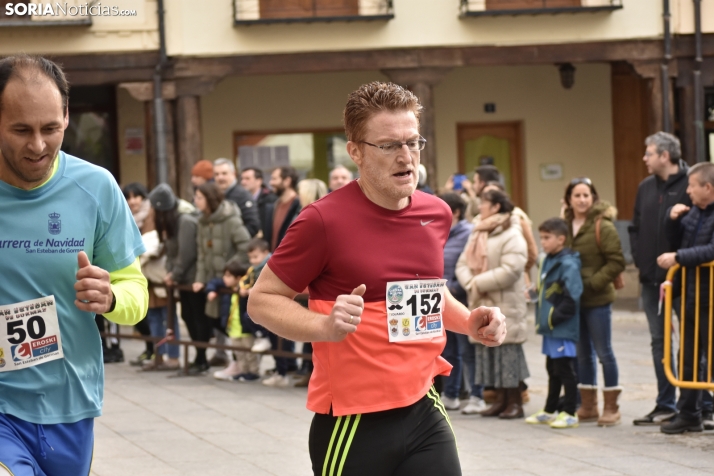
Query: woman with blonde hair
{"points": [[311, 190]]}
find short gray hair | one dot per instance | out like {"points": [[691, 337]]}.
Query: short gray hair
{"points": [[223, 161], [666, 142], [341, 167], [704, 172]]}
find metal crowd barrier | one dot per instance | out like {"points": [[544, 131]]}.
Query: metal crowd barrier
{"points": [[694, 384], [169, 339]]}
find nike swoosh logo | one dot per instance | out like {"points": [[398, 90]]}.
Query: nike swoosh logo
{"points": [[561, 348], [425, 223]]}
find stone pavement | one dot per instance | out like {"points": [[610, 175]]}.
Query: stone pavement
{"points": [[156, 425]]}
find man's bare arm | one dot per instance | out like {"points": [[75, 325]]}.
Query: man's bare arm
{"points": [[271, 305], [485, 324]]}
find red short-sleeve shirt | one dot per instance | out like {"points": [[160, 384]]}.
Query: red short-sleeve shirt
{"points": [[340, 242]]}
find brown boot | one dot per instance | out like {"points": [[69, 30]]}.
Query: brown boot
{"points": [[588, 403], [611, 410], [514, 408], [498, 406], [490, 395]]}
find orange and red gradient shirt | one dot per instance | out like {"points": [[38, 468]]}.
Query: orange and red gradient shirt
{"points": [[340, 242]]}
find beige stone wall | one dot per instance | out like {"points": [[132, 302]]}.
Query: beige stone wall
{"points": [[287, 102], [107, 34], [683, 16], [206, 28], [130, 114], [571, 127]]}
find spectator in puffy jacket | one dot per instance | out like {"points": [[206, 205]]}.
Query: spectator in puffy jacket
{"points": [[491, 271], [458, 350], [692, 228], [593, 235], [221, 238]]}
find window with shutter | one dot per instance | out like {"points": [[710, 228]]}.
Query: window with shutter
{"points": [[530, 4], [308, 8]]}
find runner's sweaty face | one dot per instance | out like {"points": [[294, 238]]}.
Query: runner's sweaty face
{"points": [[32, 125], [394, 176]]}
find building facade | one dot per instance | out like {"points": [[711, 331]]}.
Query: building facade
{"points": [[547, 90]]}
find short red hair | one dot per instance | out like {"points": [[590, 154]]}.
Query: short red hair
{"points": [[372, 98]]}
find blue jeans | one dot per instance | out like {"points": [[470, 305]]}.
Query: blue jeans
{"points": [[596, 338], [468, 359], [157, 323], [452, 354], [666, 392]]}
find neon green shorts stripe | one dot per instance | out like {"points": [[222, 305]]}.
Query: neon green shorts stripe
{"points": [[329, 447]]}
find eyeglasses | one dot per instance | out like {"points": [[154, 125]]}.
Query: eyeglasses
{"points": [[391, 148], [579, 180]]}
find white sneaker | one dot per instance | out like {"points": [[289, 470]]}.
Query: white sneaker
{"points": [[475, 405], [450, 403], [261, 344], [542, 417], [228, 373], [277, 380]]}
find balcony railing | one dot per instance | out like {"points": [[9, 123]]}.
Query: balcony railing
{"points": [[252, 12], [477, 8], [14, 13]]}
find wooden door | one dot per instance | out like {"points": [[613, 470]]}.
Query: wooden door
{"points": [[630, 127], [499, 144]]}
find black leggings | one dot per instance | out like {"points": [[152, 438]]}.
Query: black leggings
{"points": [[561, 374], [193, 313], [411, 441]]}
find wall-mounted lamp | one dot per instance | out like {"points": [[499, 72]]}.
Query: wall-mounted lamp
{"points": [[567, 75]]}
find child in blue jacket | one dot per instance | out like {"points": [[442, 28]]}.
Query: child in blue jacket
{"points": [[558, 321]]}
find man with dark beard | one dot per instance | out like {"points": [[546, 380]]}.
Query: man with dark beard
{"points": [[279, 215]]}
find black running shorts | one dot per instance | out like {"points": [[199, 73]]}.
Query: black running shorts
{"points": [[411, 441]]}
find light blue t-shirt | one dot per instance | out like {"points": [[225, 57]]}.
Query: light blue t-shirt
{"points": [[41, 231]]}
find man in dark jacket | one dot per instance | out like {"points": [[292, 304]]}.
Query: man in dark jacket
{"points": [[693, 229], [252, 180], [457, 349], [279, 215], [665, 187], [224, 173]]}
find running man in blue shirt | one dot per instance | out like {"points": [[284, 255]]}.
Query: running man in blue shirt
{"points": [[69, 249]]}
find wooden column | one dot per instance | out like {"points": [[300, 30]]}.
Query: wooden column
{"points": [[184, 145], [651, 71], [421, 82], [144, 91], [189, 142]]}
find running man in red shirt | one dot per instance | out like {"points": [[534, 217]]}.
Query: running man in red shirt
{"points": [[371, 256]]}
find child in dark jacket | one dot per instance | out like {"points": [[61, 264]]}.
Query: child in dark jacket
{"points": [[558, 321], [244, 365], [258, 255]]}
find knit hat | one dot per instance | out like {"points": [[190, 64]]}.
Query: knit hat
{"points": [[203, 168], [162, 198]]}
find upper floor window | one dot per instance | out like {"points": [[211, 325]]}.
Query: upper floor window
{"points": [[531, 7], [288, 11]]}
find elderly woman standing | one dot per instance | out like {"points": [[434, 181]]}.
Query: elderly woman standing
{"points": [[491, 271], [593, 235]]}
